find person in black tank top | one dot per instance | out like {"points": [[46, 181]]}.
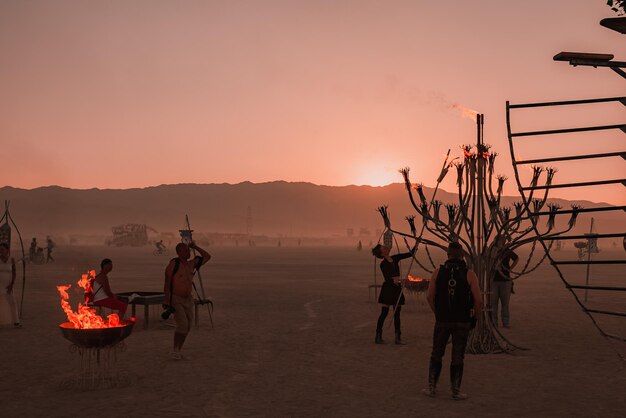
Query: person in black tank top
{"points": [[391, 290], [454, 297]]}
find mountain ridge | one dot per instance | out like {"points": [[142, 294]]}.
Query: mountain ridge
{"points": [[278, 208]]}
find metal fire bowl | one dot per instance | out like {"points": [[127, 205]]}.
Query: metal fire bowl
{"points": [[95, 337], [421, 286]]}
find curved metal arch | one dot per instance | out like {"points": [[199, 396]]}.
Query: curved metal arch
{"points": [[534, 221], [8, 219]]}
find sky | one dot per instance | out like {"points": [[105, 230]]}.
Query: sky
{"points": [[122, 94]]}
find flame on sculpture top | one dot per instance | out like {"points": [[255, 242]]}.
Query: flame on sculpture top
{"points": [[466, 112]]}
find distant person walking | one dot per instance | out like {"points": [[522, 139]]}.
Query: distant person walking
{"points": [[178, 284], [102, 293], [7, 281], [32, 251], [454, 297], [49, 247], [391, 290], [502, 285]]}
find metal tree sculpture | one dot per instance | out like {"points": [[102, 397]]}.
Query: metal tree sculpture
{"points": [[477, 221]]}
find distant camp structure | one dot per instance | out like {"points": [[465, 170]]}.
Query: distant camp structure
{"points": [[133, 235]]}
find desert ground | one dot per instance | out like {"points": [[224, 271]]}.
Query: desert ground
{"points": [[293, 336]]}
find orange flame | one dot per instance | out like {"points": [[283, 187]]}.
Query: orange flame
{"points": [[466, 112], [416, 279], [85, 317]]}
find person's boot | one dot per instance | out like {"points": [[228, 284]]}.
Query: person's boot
{"points": [[456, 376], [379, 337], [433, 377], [399, 338]]}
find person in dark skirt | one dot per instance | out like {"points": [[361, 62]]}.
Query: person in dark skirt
{"points": [[391, 289]]}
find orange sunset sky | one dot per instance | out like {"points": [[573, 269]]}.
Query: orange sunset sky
{"points": [[120, 94]]}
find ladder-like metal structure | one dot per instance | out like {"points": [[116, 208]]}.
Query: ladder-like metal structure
{"points": [[575, 59]]}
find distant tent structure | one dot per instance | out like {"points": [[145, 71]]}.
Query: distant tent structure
{"points": [[5, 237]]}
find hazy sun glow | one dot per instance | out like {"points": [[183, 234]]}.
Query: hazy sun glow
{"points": [[378, 177], [212, 92]]}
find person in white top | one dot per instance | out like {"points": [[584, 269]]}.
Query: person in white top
{"points": [[7, 280], [102, 294]]}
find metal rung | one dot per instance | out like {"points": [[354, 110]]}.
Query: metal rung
{"points": [[558, 238], [582, 210], [605, 312], [583, 184], [569, 102], [591, 262], [570, 130], [619, 71], [574, 157], [594, 63], [618, 289]]}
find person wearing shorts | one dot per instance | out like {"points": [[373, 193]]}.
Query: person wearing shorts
{"points": [[178, 285]]}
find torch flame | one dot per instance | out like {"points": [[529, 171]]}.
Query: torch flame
{"points": [[466, 112], [85, 317]]}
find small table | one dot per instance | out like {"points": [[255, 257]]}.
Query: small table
{"points": [[146, 299]]}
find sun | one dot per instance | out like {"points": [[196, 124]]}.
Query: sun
{"points": [[378, 177]]}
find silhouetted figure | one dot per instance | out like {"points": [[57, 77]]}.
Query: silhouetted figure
{"points": [[359, 246], [32, 251], [391, 290], [279, 244], [178, 284], [102, 294], [454, 297], [49, 247], [7, 281], [502, 285]]}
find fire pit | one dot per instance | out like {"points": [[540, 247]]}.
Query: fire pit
{"points": [[97, 341], [416, 285], [96, 337]]}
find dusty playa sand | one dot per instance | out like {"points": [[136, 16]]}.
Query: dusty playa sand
{"points": [[294, 337]]}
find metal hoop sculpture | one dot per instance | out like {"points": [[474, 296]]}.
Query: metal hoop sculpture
{"points": [[6, 238]]}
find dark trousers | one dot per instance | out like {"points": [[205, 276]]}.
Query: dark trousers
{"points": [[443, 330], [396, 319]]}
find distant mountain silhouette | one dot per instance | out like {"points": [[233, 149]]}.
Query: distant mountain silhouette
{"points": [[289, 209]]}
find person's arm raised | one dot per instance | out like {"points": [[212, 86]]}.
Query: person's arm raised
{"points": [[205, 256]]}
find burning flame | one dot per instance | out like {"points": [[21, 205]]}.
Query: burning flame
{"points": [[416, 279], [85, 317], [466, 112]]}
